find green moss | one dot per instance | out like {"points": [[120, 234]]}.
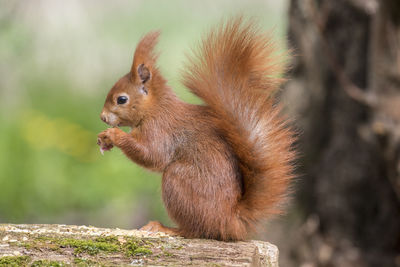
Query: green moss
{"points": [[108, 239], [132, 247], [88, 246], [85, 262], [142, 251], [91, 247], [128, 246], [47, 263], [11, 261], [26, 245]]}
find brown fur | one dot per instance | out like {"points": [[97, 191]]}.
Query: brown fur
{"points": [[227, 164]]}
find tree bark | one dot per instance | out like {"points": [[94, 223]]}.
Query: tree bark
{"points": [[345, 92]]}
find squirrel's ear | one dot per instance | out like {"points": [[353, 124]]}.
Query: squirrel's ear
{"points": [[143, 73], [145, 58]]}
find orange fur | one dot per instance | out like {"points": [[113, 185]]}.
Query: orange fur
{"points": [[227, 164]]}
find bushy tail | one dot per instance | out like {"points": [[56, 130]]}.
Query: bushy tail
{"points": [[236, 72]]}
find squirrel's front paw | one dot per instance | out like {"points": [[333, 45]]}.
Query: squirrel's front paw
{"points": [[108, 138]]}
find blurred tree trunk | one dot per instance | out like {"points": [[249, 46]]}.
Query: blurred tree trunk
{"points": [[345, 93]]}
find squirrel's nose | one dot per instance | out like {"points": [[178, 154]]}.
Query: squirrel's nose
{"points": [[103, 117]]}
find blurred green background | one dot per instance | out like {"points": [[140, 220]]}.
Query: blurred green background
{"points": [[58, 59]]}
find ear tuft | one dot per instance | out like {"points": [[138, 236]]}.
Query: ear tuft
{"points": [[144, 73], [145, 54]]}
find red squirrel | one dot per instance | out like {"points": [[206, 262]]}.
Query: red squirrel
{"points": [[226, 164]]}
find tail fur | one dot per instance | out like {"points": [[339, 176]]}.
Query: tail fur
{"points": [[236, 72]]}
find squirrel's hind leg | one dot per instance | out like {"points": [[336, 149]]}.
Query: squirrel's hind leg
{"points": [[155, 226]]}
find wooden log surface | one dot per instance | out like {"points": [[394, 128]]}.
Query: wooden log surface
{"points": [[67, 245]]}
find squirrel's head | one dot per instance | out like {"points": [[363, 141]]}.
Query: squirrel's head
{"points": [[129, 99]]}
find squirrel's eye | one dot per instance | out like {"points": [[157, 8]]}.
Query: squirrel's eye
{"points": [[122, 100]]}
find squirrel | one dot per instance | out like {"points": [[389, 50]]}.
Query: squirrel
{"points": [[226, 164]]}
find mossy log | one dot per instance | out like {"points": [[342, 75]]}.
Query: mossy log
{"points": [[65, 245]]}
